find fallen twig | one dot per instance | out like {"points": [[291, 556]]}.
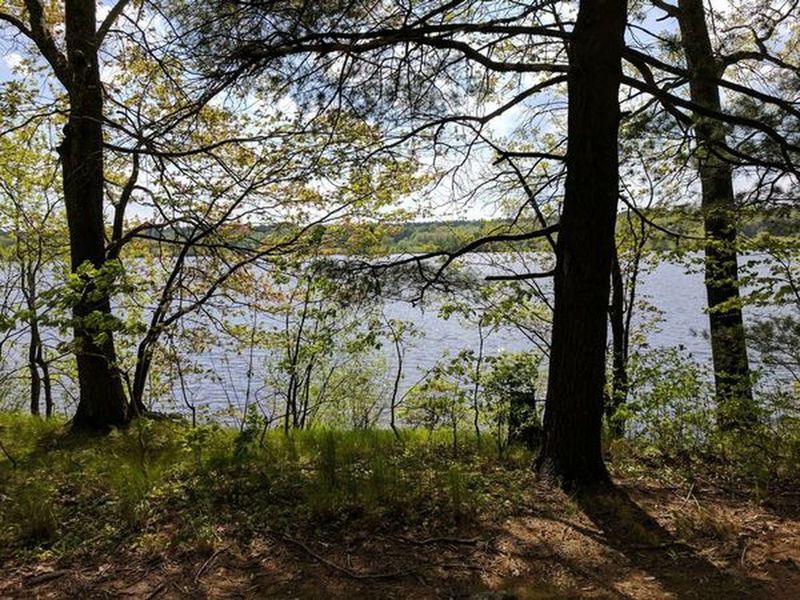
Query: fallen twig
{"points": [[744, 551], [208, 563], [45, 577], [656, 546], [159, 588], [349, 572], [441, 540], [462, 566], [688, 497]]}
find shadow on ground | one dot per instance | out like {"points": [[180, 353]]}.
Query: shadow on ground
{"points": [[679, 569]]}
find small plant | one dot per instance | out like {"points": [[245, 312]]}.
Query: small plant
{"points": [[671, 406], [249, 434], [441, 401], [33, 513], [131, 487], [458, 494], [327, 461]]}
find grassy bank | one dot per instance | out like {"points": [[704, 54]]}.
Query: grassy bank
{"points": [[165, 510], [142, 483]]}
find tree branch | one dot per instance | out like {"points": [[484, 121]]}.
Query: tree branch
{"points": [[109, 21], [521, 276], [43, 38]]}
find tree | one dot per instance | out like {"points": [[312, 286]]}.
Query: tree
{"points": [[776, 337], [102, 401], [510, 398], [573, 419], [634, 233], [751, 140], [719, 210], [571, 451], [211, 173], [30, 217]]}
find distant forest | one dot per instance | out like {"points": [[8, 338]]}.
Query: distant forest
{"points": [[674, 227]]}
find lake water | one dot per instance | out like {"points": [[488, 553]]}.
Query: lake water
{"points": [[676, 292], [222, 385]]}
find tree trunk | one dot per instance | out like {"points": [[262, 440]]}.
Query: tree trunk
{"points": [[728, 345], [46, 382], [36, 380], [571, 451], [397, 378], [34, 344], [476, 410], [142, 370], [36, 360], [102, 399], [619, 359]]}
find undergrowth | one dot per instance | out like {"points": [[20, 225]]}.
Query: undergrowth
{"points": [[164, 485], [158, 484]]}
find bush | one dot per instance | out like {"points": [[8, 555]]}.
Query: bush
{"points": [[670, 405], [510, 403], [672, 415]]}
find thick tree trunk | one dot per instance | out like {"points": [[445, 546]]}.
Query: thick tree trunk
{"points": [[728, 345], [102, 399], [571, 451]]}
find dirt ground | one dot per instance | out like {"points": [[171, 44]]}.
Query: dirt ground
{"points": [[649, 541]]}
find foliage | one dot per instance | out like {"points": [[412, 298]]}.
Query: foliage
{"points": [[442, 399], [673, 420], [246, 145], [510, 397], [671, 405]]}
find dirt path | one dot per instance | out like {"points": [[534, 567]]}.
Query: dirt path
{"points": [[648, 542]]}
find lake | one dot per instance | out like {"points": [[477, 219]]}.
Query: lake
{"points": [[222, 385], [676, 292]]}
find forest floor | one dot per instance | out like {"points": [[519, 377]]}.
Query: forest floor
{"points": [[79, 522]]}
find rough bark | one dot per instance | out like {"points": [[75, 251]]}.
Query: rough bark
{"points": [[726, 325], [571, 451], [102, 400]]}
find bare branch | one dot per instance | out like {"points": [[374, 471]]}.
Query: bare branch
{"points": [[109, 21]]}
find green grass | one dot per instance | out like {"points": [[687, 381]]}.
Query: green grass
{"points": [[159, 484]]}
